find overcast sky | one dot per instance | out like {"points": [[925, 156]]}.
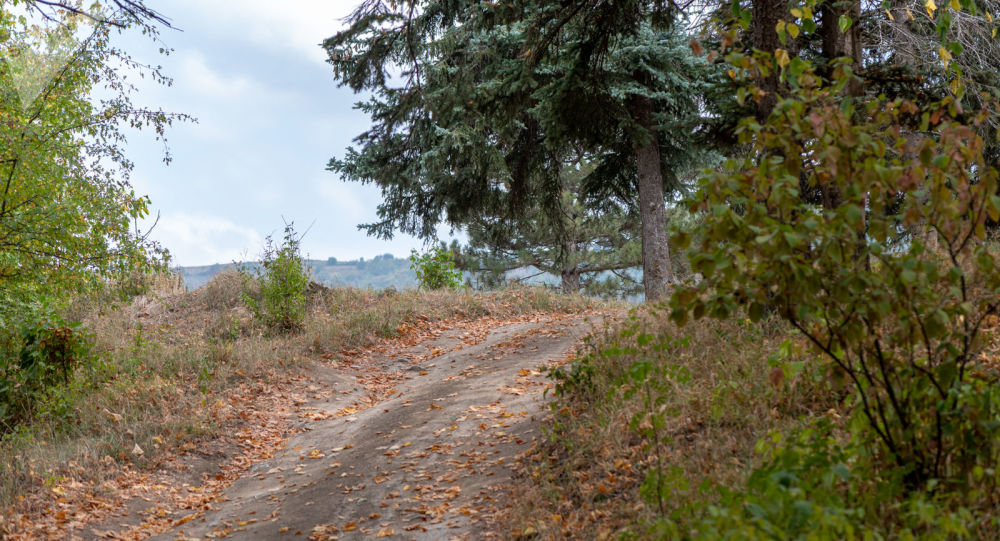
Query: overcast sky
{"points": [[270, 117]]}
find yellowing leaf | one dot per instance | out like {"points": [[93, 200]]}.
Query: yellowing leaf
{"points": [[945, 55], [931, 8], [955, 5], [889, 13], [781, 55], [909, 14], [793, 30], [796, 12], [989, 17]]}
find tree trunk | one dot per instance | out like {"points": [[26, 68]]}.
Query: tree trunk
{"points": [[570, 271], [571, 281], [837, 44], [766, 14], [652, 209]]}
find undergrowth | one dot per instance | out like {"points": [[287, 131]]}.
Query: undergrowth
{"points": [[722, 429], [655, 421], [158, 366]]}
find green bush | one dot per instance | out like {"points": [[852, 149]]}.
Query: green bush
{"points": [[50, 352], [810, 486], [862, 225], [280, 302], [435, 268]]}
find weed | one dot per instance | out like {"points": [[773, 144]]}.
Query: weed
{"points": [[280, 302], [435, 268]]}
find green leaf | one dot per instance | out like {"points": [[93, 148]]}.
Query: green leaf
{"points": [[841, 471], [844, 23], [698, 312], [946, 373], [853, 214], [792, 238]]}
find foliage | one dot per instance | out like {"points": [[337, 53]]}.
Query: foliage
{"points": [[661, 432], [576, 243], [435, 268], [484, 121], [281, 302], [900, 322], [67, 209], [860, 220], [50, 352], [810, 485]]}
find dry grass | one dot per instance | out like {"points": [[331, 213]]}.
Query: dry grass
{"points": [[718, 395], [163, 360]]}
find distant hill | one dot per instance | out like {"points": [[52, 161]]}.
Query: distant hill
{"points": [[379, 272]]}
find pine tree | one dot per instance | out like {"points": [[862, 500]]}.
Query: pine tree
{"points": [[576, 243], [478, 124]]}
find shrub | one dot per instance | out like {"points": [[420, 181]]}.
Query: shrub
{"points": [[283, 278], [50, 352], [863, 226], [224, 291], [435, 268]]}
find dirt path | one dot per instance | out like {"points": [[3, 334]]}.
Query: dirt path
{"points": [[412, 446]]}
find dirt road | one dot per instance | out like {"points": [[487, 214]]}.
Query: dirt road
{"points": [[420, 457]]}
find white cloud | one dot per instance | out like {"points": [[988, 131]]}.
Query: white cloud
{"points": [[347, 206], [299, 25], [194, 75], [204, 240]]}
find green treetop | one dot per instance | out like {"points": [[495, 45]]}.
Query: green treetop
{"points": [[477, 123]]}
